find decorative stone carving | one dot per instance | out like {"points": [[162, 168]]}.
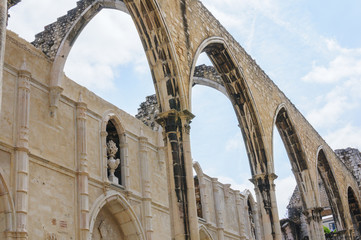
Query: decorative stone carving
{"points": [[112, 162], [207, 72], [148, 112]]}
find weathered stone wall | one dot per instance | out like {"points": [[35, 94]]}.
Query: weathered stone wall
{"points": [[53, 205], [173, 33], [53, 201]]}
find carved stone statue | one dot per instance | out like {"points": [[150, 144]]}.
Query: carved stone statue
{"points": [[112, 163]]}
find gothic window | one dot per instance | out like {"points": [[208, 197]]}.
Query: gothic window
{"points": [[113, 154], [198, 197]]}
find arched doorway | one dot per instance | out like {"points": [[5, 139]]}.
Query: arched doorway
{"points": [[112, 217], [355, 212], [204, 234]]}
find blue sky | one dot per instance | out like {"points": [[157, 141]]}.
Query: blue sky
{"points": [[310, 49]]}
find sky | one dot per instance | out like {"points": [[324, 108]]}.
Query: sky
{"points": [[310, 49]]}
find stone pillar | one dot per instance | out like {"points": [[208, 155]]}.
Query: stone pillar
{"points": [[146, 180], [3, 20], [219, 209], [314, 221], [180, 174], [104, 166], [267, 205], [124, 162], [186, 118], [240, 215], [22, 152], [83, 174]]}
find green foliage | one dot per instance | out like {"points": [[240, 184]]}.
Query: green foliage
{"points": [[326, 230]]}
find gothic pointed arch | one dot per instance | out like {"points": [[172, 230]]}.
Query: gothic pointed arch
{"points": [[326, 174], [245, 109], [204, 233], [355, 211], [296, 155], [7, 210], [113, 130], [239, 93], [114, 207], [58, 38]]}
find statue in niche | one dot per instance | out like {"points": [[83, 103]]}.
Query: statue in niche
{"points": [[112, 162]]}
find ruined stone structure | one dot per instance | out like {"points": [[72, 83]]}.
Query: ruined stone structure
{"points": [[295, 227], [54, 133]]}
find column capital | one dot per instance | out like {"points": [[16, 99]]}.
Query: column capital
{"points": [[313, 214], [263, 176], [164, 117]]}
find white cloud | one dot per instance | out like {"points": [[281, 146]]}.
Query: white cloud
{"points": [[284, 190], [29, 17], [235, 143], [110, 41], [347, 136], [236, 186], [346, 65], [336, 105]]}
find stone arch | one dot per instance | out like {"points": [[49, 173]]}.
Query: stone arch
{"points": [[239, 93], [123, 146], [204, 233], [296, 155], [58, 38], [7, 210], [355, 211], [244, 106], [206, 76], [326, 173], [123, 213]]}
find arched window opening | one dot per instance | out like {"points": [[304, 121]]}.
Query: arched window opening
{"points": [[108, 58], [355, 212], [198, 197], [114, 172], [216, 138], [332, 214]]}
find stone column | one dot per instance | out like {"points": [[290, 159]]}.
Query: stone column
{"points": [[124, 161], [186, 118], [146, 180], [267, 205], [22, 152], [218, 208], [314, 221], [3, 20], [240, 215], [180, 174], [83, 174]]}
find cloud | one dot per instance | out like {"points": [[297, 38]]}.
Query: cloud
{"points": [[236, 186], [108, 44], [346, 65], [235, 143], [29, 17], [284, 190], [347, 136], [335, 106]]}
